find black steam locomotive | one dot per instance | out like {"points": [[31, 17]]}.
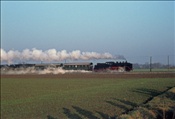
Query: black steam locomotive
{"points": [[113, 66]]}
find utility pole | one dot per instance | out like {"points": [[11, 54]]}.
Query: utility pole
{"points": [[168, 63], [150, 66]]}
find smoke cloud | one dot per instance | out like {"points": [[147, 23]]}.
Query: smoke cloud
{"points": [[121, 57], [50, 55]]}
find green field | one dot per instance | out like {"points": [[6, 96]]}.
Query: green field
{"points": [[154, 70], [57, 98]]}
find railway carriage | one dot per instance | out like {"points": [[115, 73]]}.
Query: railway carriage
{"points": [[78, 66]]}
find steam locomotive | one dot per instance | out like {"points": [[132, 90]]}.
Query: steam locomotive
{"points": [[88, 66], [113, 66]]}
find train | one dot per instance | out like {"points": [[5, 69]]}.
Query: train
{"points": [[87, 66]]}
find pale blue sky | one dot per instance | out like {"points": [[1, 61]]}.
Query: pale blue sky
{"points": [[133, 29]]}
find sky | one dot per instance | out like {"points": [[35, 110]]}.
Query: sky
{"points": [[133, 29]]}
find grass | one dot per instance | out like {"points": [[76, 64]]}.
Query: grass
{"points": [[75, 98], [159, 107], [154, 70]]}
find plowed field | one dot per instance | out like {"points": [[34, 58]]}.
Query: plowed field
{"points": [[95, 75]]}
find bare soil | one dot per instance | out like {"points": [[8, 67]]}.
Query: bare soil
{"points": [[94, 75]]}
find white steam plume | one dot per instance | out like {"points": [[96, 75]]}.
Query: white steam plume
{"points": [[50, 55]]}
